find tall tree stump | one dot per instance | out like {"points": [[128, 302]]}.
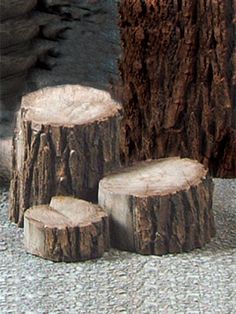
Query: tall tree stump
{"points": [[68, 230], [67, 139], [179, 74], [159, 206]]}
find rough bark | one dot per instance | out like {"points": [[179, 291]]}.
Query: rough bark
{"points": [[178, 70], [159, 206], [68, 230], [66, 140]]}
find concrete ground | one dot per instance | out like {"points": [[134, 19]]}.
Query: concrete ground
{"points": [[203, 281]]}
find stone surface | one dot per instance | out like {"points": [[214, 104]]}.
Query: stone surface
{"points": [[203, 281], [90, 50]]}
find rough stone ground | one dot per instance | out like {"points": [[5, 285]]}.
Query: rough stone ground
{"points": [[203, 281]]}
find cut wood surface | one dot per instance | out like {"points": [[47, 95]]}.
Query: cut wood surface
{"points": [[68, 230], [66, 140], [159, 206]]}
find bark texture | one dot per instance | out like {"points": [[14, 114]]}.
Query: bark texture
{"points": [[159, 206], [55, 158], [68, 230], [178, 70]]}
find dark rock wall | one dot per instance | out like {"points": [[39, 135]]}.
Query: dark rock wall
{"points": [[33, 37], [29, 32], [89, 51], [75, 42], [17, 31]]}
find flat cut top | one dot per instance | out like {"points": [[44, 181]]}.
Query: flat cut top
{"points": [[64, 212], [76, 210], [69, 105], [155, 177]]}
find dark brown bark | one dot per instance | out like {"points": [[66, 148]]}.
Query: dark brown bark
{"points": [[154, 210], [178, 71], [68, 230], [56, 158]]}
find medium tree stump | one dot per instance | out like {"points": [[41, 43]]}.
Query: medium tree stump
{"points": [[68, 139], [159, 206], [68, 230]]}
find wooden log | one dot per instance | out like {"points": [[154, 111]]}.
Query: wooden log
{"points": [[159, 206], [68, 139], [68, 230], [178, 68]]}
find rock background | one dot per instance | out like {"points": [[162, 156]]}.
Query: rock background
{"points": [[34, 37], [71, 42]]}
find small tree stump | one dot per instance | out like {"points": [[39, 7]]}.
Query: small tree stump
{"points": [[159, 206], [68, 230], [67, 139]]}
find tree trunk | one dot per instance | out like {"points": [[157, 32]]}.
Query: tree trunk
{"points": [[68, 230], [66, 140], [178, 71], [159, 206]]}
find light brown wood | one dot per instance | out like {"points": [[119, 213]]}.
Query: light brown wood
{"points": [[66, 140], [159, 206], [68, 230]]}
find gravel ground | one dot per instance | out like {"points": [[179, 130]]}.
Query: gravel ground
{"points": [[203, 281]]}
